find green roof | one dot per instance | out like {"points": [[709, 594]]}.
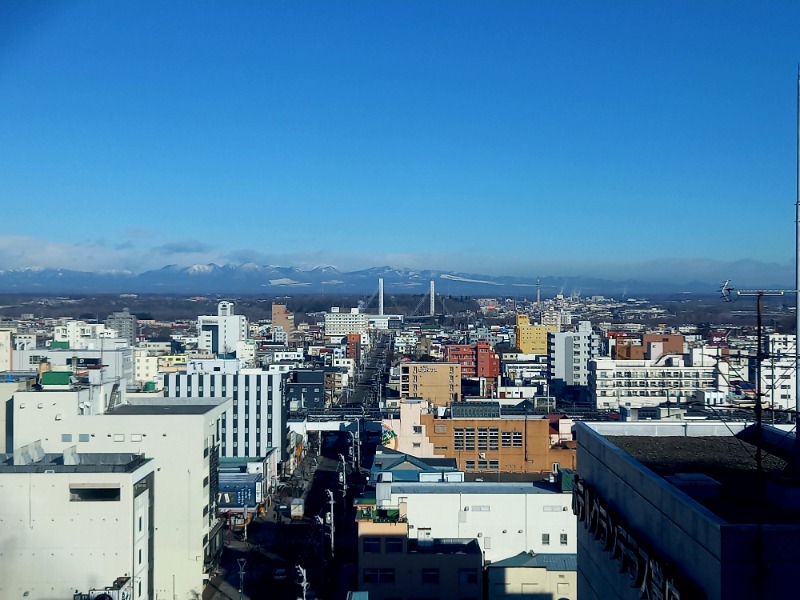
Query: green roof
{"points": [[56, 378], [61, 345]]}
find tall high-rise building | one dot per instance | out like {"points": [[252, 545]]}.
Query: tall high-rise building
{"points": [[125, 325], [284, 318], [568, 355]]}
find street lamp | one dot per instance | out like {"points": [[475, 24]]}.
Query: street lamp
{"points": [[333, 526], [241, 562], [303, 581]]}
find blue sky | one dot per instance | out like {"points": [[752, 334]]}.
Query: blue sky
{"points": [[650, 140]]}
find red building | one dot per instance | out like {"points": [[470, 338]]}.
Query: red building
{"points": [[476, 360], [354, 347]]}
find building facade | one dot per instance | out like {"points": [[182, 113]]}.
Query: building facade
{"points": [[256, 419], [50, 501], [683, 510], [438, 383], [669, 378], [218, 334], [125, 324], [568, 355]]}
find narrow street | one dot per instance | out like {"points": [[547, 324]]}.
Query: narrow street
{"points": [[276, 545]]}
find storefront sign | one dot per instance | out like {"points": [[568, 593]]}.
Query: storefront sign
{"points": [[645, 569]]}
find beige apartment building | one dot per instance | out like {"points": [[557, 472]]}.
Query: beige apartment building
{"points": [[438, 383], [532, 339]]}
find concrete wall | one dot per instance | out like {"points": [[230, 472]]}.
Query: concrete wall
{"points": [[504, 523], [51, 546], [178, 442]]}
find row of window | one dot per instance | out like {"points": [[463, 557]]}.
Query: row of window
{"points": [[118, 437], [372, 545], [493, 465], [429, 576]]}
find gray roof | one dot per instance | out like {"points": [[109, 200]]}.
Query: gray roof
{"points": [[437, 487], [162, 409], [551, 562], [96, 462]]}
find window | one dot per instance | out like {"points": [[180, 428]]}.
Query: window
{"points": [[393, 545], [140, 523], [516, 439], [140, 556], [371, 545], [94, 494], [430, 576], [483, 438], [440, 428], [506, 439], [417, 428], [545, 539], [377, 576], [66, 437], [469, 465], [469, 439], [563, 539], [458, 438], [493, 435], [83, 437], [467, 576]]}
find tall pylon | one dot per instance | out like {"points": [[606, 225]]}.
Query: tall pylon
{"points": [[380, 296]]}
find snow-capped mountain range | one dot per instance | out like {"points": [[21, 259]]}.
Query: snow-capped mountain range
{"points": [[251, 278]]}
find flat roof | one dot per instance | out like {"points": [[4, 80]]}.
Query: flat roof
{"points": [[690, 463], [550, 562], [480, 487], [163, 409], [167, 406], [445, 546], [123, 462]]}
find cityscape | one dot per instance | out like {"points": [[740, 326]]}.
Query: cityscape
{"points": [[399, 301], [352, 451]]}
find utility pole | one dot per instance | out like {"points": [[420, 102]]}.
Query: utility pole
{"points": [[241, 562], [333, 526], [344, 485]]}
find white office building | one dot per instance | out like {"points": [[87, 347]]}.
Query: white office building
{"points": [[181, 436], [83, 335], [75, 521], [218, 334], [340, 324], [116, 360], [505, 518], [256, 419], [667, 378], [778, 379]]}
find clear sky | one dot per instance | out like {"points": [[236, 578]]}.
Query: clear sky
{"points": [[650, 140]]}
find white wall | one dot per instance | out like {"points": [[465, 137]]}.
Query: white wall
{"points": [[177, 441], [510, 517], [50, 546]]}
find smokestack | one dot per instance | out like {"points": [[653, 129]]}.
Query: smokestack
{"points": [[433, 299], [380, 296]]}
